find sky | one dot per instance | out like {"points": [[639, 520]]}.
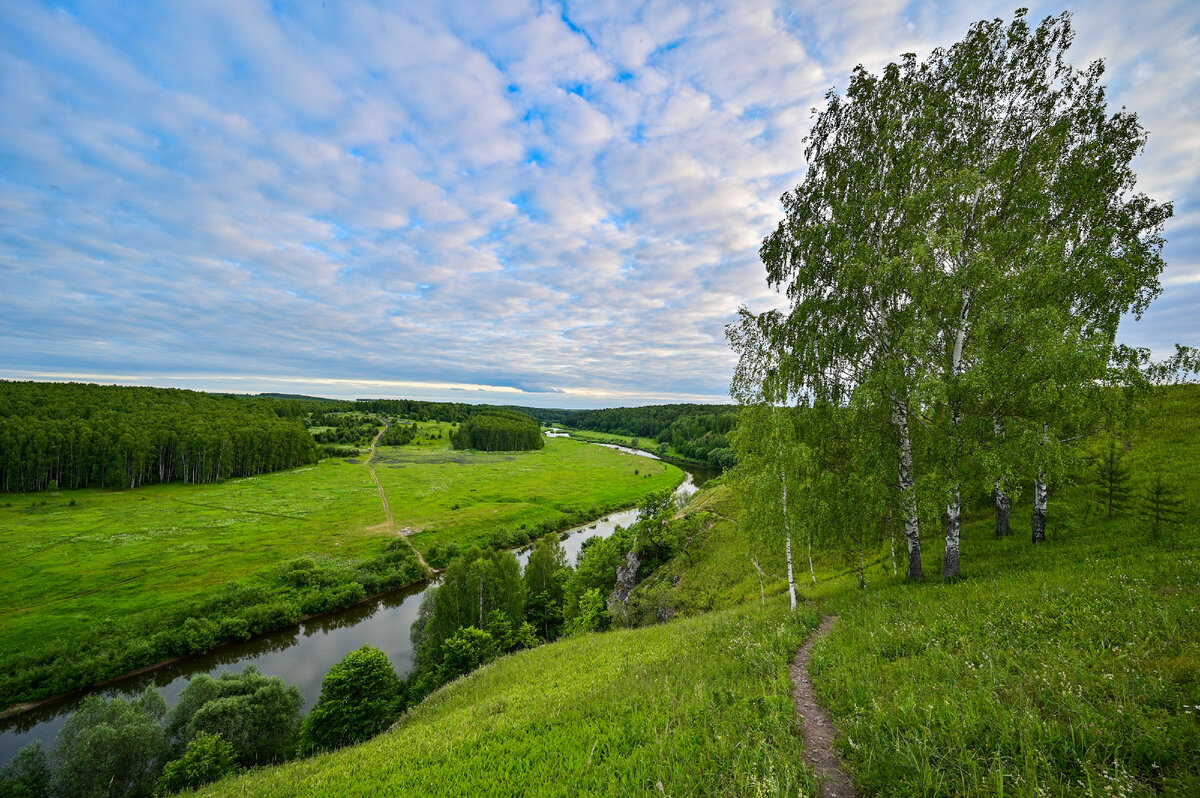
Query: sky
{"points": [[528, 203]]}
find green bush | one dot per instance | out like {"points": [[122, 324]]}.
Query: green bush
{"points": [[110, 748], [206, 759], [360, 697]]}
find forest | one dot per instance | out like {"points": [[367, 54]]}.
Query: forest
{"points": [[498, 431], [71, 435]]}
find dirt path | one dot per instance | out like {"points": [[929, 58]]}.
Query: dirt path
{"points": [[390, 523], [819, 732], [387, 508]]}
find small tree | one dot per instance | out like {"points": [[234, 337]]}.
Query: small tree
{"points": [[27, 776], [206, 759], [360, 697], [258, 715], [111, 748], [1113, 482], [1161, 504], [465, 651]]}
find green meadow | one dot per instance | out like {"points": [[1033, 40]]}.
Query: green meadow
{"points": [[74, 557], [466, 497]]}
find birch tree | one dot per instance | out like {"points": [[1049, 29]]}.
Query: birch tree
{"points": [[773, 465], [849, 255]]}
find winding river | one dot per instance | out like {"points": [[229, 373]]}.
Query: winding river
{"points": [[302, 655]]}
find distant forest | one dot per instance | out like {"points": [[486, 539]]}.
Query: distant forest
{"points": [[74, 435]]}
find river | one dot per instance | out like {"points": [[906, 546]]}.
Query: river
{"points": [[303, 655]]}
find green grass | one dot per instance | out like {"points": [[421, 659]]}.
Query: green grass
{"points": [[466, 496], [75, 557], [696, 707], [1072, 668]]}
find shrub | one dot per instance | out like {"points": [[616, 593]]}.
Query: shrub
{"points": [[206, 759], [360, 697]]}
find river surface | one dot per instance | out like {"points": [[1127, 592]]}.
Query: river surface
{"points": [[303, 655]]}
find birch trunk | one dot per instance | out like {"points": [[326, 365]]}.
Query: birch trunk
{"points": [[791, 579], [953, 535], [1039, 508], [1040, 499], [908, 492], [1003, 511], [950, 561]]}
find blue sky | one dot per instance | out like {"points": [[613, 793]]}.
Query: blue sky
{"points": [[531, 203]]}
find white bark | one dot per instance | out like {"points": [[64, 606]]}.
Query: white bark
{"points": [[950, 562], [791, 579], [908, 492]]}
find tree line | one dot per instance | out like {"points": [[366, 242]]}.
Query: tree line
{"points": [[691, 431], [73, 435], [498, 430], [956, 261]]}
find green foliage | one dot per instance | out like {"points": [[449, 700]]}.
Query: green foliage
{"points": [[110, 747], [499, 430], [206, 759], [27, 776], [464, 651], [545, 578], [360, 697], [74, 435], [399, 435], [257, 715]]}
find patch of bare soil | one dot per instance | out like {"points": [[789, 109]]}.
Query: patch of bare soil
{"points": [[819, 732]]}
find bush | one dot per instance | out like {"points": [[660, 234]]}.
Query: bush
{"points": [[110, 748], [360, 697], [465, 651], [257, 715], [206, 759], [27, 776]]}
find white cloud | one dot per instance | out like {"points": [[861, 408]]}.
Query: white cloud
{"points": [[434, 197]]}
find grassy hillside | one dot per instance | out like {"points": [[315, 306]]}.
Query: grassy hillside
{"points": [[696, 707], [1070, 669]]}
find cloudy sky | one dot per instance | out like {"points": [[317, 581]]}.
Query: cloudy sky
{"points": [[545, 204]]}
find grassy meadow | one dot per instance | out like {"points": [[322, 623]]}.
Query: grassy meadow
{"points": [[74, 557], [469, 497]]}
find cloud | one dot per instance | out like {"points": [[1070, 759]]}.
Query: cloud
{"points": [[561, 203]]}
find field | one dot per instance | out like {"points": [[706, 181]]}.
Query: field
{"points": [[75, 558], [468, 497]]}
